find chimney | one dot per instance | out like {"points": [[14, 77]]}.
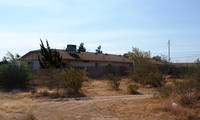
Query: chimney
{"points": [[71, 48]]}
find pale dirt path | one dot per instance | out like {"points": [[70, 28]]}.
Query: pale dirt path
{"points": [[85, 108]]}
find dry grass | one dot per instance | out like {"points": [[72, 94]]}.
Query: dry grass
{"points": [[126, 108], [151, 108], [102, 88], [31, 116], [10, 107], [179, 111], [57, 116], [132, 108], [15, 94], [186, 109]]}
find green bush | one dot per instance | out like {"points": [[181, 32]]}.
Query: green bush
{"points": [[144, 70], [69, 79], [166, 91], [72, 80], [52, 79], [181, 87], [14, 74], [186, 90], [114, 81], [133, 87], [153, 78]]}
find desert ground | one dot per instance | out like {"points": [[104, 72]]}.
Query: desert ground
{"points": [[99, 103]]}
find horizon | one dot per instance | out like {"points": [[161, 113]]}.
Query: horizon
{"points": [[116, 25]]}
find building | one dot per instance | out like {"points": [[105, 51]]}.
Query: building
{"points": [[96, 64]]}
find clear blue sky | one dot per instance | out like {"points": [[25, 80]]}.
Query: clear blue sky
{"points": [[116, 25]]}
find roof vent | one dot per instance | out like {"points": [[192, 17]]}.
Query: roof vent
{"points": [[71, 48], [158, 58]]}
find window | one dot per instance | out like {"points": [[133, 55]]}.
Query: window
{"points": [[31, 64], [97, 65], [86, 61]]}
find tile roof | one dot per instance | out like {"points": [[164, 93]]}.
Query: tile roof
{"points": [[89, 56]]}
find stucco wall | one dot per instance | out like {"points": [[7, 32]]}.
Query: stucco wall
{"points": [[94, 63], [94, 68], [33, 57]]}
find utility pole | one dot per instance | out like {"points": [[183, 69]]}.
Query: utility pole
{"points": [[169, 50]]}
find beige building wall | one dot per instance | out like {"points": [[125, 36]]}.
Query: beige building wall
{"points": [[94, 63], [32, 60]]}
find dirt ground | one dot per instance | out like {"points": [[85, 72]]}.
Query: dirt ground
{"points": [[100, 103]]}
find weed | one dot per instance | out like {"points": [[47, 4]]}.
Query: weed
{"points": [[179, 111], [34, 91], [133, 87], [69, 79], [166, 91], [44, 93], [114, 81]]}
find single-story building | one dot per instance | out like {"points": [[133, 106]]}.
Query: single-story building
{"points": [[96, 64]]}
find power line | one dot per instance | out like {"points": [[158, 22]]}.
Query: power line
{"points": [[185, 44]]}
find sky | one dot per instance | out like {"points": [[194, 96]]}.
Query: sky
{"points": [[116, 25]]}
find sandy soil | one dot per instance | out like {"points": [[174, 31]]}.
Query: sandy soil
{"points": [[15, 106], [85, 108]]}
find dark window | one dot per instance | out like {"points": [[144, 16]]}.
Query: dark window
{"points": [[86, 61], [31, 64], [97, 65]]}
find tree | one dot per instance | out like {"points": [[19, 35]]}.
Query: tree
{"points": [[144, 71], [81, 48], [14, 73], [98, 50], [50, 57], [4, 61]]}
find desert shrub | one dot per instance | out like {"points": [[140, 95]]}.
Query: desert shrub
{"points": [[193, 76], [144, 71], [190, 85], [133, 87], [180, 111], [44, 93], [34, 91], [114, 81], [154, 78], [185, 93], [183, 87], [179, 71], [187, 89], [69, 79], [166, 91], [52, 79], [165, 67], [72, 80], [85, 74], [14, 74]]}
